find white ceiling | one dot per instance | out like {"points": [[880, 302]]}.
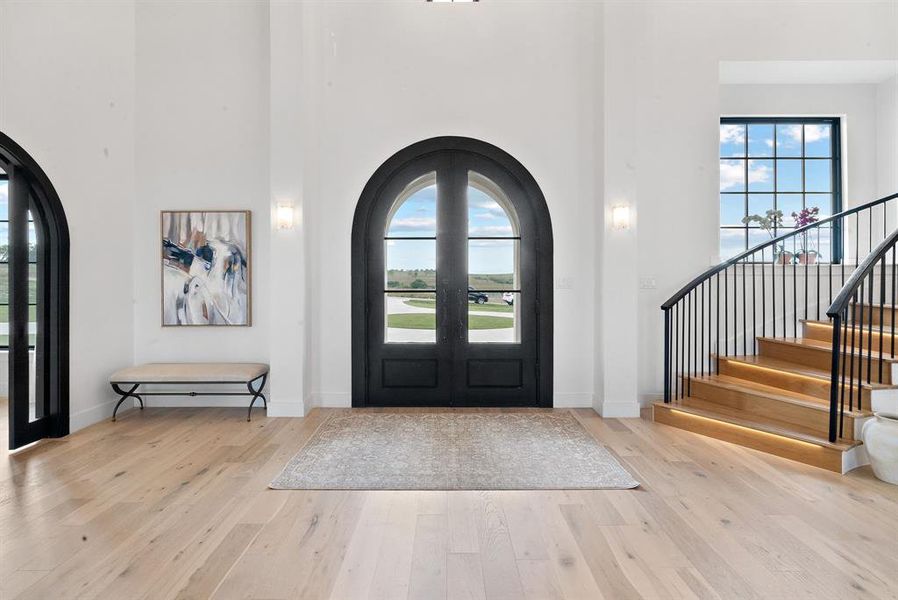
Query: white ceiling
{"points": [[807, 71]]}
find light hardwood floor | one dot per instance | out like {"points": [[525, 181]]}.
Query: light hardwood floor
{"points": [[172, 503]]}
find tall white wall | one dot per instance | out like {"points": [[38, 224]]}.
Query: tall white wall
{"points": [[887, 137], [518, 75], [676, 88], [67, 97], [201, 142]]}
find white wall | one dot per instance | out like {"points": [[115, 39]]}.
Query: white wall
{"points": [[887, 137], [201, 142], [67, 97], [675, 86], [518, 75], [855, 104]]}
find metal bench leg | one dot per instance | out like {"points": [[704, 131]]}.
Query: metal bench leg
{"points": [[257, 393], [124, 396]]}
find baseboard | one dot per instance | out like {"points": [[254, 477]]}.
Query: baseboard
{"points": [[90, 416], [854, 458], [331, 399], [618, 410], [572, 400], [288, 409]]}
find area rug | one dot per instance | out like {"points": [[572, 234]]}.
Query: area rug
{"points": [[528, 450]]}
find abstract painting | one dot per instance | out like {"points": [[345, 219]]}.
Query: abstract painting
{"points": [[206, 268]]}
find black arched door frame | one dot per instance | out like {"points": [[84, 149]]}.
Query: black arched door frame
{"points": [[31, 189], [361, 231]]}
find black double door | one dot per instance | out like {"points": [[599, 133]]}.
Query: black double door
{"points": [[452, 305]]}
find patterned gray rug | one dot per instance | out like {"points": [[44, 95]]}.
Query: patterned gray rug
{"points": [[528, 450]]}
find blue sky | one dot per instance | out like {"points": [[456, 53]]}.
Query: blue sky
{"points": [[417, 217], [4, 212]]}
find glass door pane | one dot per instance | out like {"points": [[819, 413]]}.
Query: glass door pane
{"points": [[410, 258], [493, 264]]}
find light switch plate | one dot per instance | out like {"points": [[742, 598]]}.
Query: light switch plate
{"points": [[647, 283]]}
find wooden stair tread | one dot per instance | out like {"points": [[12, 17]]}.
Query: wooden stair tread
{"points": [[775, 393], [886, 329], [778, 364], [742, 419], [826, 346]]}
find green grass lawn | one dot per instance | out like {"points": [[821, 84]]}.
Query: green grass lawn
{"points": [[504, 308], [428, 321], [4, 313]]}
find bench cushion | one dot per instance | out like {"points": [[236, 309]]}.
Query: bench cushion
{"points": [[190, 372]]}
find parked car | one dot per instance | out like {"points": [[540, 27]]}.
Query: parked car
{"points": [[477, 297], [509, 298]]}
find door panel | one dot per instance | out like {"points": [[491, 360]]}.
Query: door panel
{"points": [[408, 361], [30, 417]]}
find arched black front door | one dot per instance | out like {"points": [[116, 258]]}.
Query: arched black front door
{"points": [[452, 281], [36, 261]]}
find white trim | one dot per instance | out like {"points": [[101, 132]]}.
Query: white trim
{"points": [[618, 410], [91, 416], [331, 399], [854, 458], [572, 400], [287, 409]]}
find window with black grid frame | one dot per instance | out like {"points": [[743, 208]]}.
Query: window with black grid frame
{"points": [[785, 164], [4, 269]]}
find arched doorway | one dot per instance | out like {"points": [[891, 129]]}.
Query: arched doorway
{"points": [[452, 281], [35, 244]]}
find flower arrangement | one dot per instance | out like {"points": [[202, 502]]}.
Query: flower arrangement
{"points": [[806, 216], [769, 222]]}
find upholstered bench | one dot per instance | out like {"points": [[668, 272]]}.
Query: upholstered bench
{"points": [[126, 381]]}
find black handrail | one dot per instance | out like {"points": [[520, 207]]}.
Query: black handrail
{"points": [[772, 242], [851, 297], [737, 307], [844, 297]]}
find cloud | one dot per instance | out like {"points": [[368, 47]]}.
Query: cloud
{"points": [[488, 230], [758, 173], [732, 134], [413, 224], [791, 131], [815, 133], [732, 174]]}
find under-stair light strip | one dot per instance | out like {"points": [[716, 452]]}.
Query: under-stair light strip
{"points": [[779, 438]]}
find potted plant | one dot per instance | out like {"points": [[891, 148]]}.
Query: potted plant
{"points": [[807, 255], [769, 222]]}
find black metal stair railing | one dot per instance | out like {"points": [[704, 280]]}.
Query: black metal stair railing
{"points": [[858, 313], [767, 292]]}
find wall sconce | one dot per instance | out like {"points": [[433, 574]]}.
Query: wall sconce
{"points": [[620, 217], [285, 216]]}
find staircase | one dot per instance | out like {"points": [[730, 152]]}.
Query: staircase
{"points": [[788, 359], [778, 401]]}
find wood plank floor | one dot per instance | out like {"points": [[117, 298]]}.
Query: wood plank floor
{"points": [[172, 503]]}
